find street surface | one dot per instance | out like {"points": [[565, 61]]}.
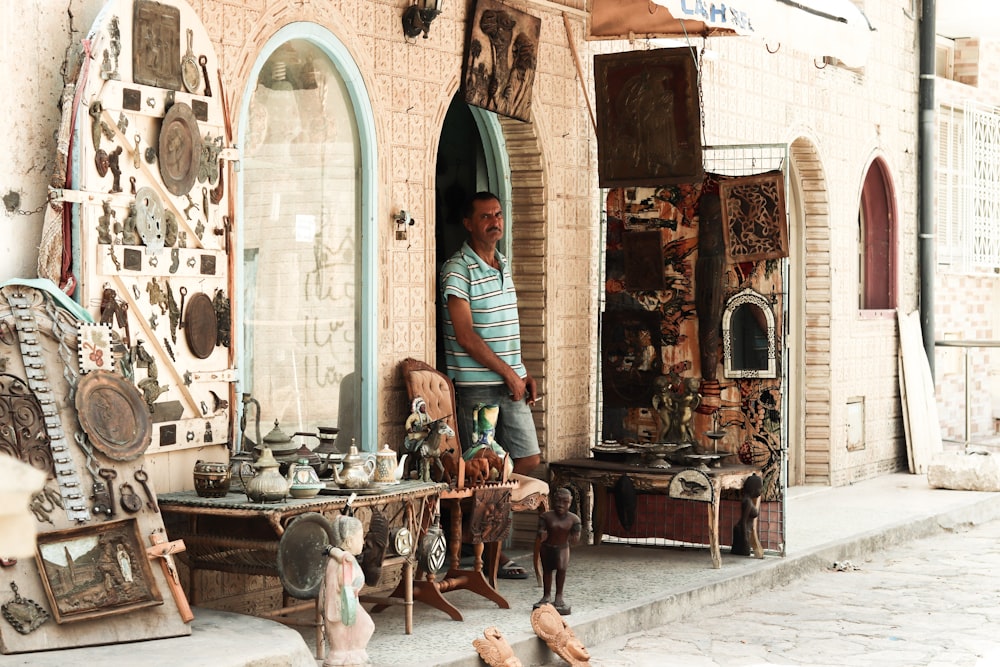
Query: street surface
{"points": [[934, 601]]}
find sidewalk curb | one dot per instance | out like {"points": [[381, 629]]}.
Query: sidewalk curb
{"points": [[774, 571]]}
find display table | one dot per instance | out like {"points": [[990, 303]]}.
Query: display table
{"points": [[603, 475], [231, 534]]}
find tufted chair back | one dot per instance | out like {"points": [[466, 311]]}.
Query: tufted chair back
{"points": [[439, 394]]}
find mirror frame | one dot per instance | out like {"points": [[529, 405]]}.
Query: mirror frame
{"points": [[744, 297]]}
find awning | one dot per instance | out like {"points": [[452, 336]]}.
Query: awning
{"points": [[819, 28]]}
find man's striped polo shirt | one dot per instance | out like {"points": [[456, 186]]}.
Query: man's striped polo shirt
{"points": [[493, 301]]}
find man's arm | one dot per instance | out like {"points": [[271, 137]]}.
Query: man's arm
{"points": [[461, 320]]}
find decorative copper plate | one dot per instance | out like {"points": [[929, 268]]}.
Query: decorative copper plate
{"points": [[301, 562], [201, 328], [113, 413], [179, 149]]}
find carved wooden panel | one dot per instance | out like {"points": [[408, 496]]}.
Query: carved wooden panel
{"points": [[501, 58], [753, 212]]}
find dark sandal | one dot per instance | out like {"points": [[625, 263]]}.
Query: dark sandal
{"points": [[511, 570]]}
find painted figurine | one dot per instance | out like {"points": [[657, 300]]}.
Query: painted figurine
{"points": [[348, 625], [558, 529]]}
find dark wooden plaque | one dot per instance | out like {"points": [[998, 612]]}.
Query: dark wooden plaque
{"points": [[156, 45], [643, 260], [648, 118]]}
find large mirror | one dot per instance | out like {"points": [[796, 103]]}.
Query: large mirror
{"points": [[748, 338]]}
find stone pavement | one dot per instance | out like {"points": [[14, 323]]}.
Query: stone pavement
{"points": [[614, 590], [931, 601]]}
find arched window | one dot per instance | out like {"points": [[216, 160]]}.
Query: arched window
{"points": [[307, 238], [877, 222]]}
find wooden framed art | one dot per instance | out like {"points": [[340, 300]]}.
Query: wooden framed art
{"points": [[96, 570], [648, 118], [500, 59], [753, 217]]}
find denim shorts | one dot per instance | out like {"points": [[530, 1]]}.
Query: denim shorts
{"points": [[515, 425]]}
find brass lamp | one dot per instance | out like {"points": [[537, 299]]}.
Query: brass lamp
{"points": [[417, 18]]}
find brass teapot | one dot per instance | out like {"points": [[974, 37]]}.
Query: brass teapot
{"points": [[267, 485], [356, 471]]}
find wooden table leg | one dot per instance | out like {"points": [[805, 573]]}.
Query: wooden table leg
{"points": [[713, 530], [758, 549], [600, 511]]}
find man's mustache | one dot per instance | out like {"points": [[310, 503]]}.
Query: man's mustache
{"points": [[493, 228]]}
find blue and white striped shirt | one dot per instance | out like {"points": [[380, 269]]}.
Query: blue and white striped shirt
{"points": [[491, 297]]}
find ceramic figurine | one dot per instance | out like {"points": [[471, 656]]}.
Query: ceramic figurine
{"points": [[558, 529], [348, 625]]}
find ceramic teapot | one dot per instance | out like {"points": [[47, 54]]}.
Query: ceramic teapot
{"points": [[267, 485], [356, 471], [387, 469], [303, 482]]}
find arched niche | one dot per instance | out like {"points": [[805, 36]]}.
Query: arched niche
{"points": [[748, 337]]}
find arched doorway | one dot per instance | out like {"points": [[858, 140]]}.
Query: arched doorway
{"points": [[307, 243]]}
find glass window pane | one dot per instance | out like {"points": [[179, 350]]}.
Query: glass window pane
{"points": [[301, 163]]}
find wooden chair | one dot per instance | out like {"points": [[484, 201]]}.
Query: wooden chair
{"points": [[528, 494]]}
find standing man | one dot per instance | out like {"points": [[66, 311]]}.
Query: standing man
{"points": [[482, 339]]}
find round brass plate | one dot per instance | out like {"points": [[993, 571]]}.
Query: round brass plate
{"points": [[200, 325], [113, 414], [179, 149], [301, 562]]}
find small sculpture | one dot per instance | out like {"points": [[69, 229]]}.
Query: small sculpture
{"points": [[348, 625], [753, 486], [494, 649], [416, 425], [675, 401], [116, 170], [553, 630], [558, 529]]}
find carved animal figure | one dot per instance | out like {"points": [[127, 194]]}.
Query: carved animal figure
{"points": [[477, 470], [430, 449]]}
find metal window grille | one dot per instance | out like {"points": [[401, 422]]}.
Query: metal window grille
{"points": [[968, 188]]}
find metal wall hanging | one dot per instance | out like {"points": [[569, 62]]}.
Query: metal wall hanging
{"points": [[200, 325], [501, 58], [112, 413], [96, 571], [753, 213], [179, 150], [156, 45], [22, 425], [648, 118], [23, 614]]}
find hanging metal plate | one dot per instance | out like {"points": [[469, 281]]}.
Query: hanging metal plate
{"points": [[149, 219], [201, 328], [115, 416], [179, 151], [301, 561]]}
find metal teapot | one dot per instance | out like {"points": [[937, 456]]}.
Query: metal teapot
{"points": [[267, 486], [356, 471]]}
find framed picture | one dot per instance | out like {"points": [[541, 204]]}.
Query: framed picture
{"points": [[95, 571], [500, 59], [648, 118], [753, 217]]}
